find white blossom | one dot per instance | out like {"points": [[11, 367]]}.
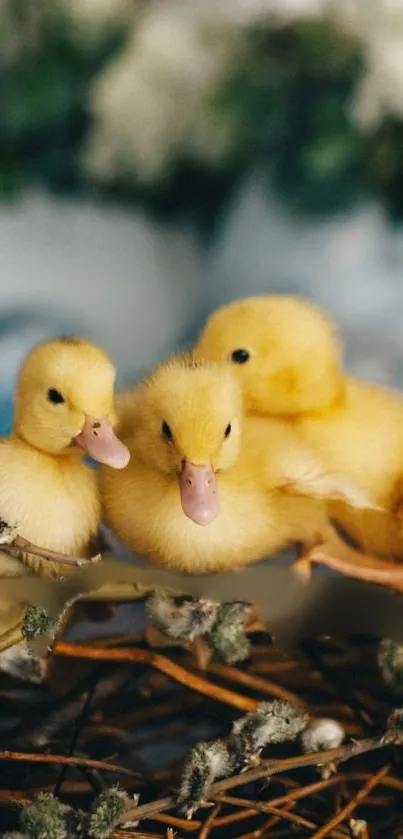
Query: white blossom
{"points": [[378, 27], [154, 99], [322, 734]]}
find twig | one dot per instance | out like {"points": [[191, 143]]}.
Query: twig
{"points": [[88, 763], [76, 731], [128, 834], [268, 768], [21, 544], [256, 683], [165, 665], [209, 823], [309, 789], [275, 767], [352, 805], [296, 794], [266, 827], [189, 825], [241, 815], [15, 800], [260, 807], [159, 710]]}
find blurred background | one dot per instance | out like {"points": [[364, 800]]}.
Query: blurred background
{"points": [[160, 158]]}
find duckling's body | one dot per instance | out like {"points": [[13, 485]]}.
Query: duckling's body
{"points": [[252, 522], [259, 472], [363, 435], [54, 500], [294, 369], [64, 409], [56, 506]]}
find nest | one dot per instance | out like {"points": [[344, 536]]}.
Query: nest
{"points": [[118, 719]]}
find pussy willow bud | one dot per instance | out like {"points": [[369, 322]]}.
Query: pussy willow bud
{"points": [[394, 728], [207, 762], [46, 818], [390, 663], [108, 810], [228, 639], [271, 722], [15, 835], [319, 736], [8, 532], [322, 734], [183, 619], [358, 828]]}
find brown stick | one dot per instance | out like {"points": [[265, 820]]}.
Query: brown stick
{"points": [[352, 805], [256, 683], [21, 544], [234, 817], [303, 792], [128, 834], [189, 825], [209, 823], [265, 829], [165, 665], [260, 807], [68, 761], [267, 769]]}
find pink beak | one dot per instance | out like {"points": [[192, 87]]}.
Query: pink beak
{"points": [[199, 493], [100, 442]]}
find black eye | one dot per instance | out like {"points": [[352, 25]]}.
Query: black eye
{"points": [[55, 397], [227, 431], [240, 356], [167, 432]]}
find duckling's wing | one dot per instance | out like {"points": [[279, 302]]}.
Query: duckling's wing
{"points": [[302, 473]]}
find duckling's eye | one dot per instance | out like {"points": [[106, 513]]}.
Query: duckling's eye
{"points": [[240, 356], [227, 431], [166, 431], [55, 396]]}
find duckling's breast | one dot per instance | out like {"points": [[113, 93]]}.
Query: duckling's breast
{"points": [[250, 525]]}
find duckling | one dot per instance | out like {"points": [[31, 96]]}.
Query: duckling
{"points": [[207, 489], [64, 410], [284, 350], [288, 358]]}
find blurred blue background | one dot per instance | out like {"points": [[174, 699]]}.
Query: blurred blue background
{"points": [[157, 160]]}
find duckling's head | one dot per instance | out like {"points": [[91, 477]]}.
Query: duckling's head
{"points": [[65, 401], [188, 426], [284, 350]]}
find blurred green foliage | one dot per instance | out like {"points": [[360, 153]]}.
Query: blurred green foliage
{"points": [[43, 102], [286, 98], [290, 96]]}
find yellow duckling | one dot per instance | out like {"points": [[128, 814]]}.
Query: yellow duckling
{"points": [[64, 410], [206, 489], [284, 350], [288, 358]]}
